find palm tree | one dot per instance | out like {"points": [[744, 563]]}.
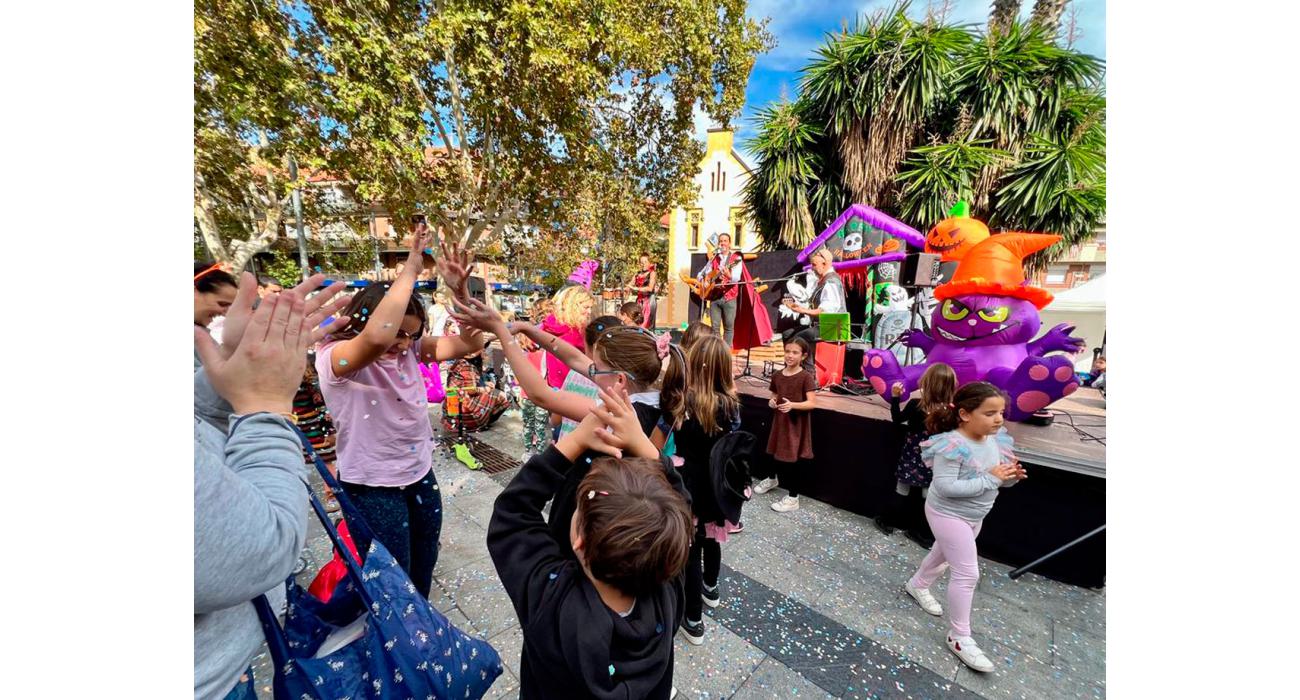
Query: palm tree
{"points": [[1003, 13], [1047, 15], [777, 196], [878, 84], [910, 116], [1059, 185]]}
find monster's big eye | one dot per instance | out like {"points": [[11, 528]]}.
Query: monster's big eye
{"points": [[996, 314], [953, 310]]}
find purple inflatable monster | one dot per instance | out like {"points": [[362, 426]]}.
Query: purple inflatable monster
{"points": [[984, 329]]}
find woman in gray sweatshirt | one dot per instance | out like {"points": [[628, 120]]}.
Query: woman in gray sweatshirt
{"points": [[250, 513]]}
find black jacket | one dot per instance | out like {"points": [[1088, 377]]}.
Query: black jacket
{"points": [[574, 646]]}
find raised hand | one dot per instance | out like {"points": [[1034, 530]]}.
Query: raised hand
{"points": [[617, 413], [476, 314], [264, 371], [896, 390], [315, 310], [584, 438], [454, 266], [421, 240], [241, 310]]}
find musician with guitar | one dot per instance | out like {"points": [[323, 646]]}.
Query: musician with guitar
{"points": [[827, 298], [724, 268]]}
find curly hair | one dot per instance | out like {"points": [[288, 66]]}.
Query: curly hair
{"points": [[569, 306]]}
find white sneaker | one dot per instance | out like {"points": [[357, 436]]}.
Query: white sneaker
{"points": [[970, 654], [923, 598], [765, 485], [786, 504], [673, 695]]}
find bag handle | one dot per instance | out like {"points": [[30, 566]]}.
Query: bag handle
{"points": [[355, 521], [276, 642]]}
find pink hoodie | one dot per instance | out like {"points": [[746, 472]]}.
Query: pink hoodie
{"points": [[556, 370]]}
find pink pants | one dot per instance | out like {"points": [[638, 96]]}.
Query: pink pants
{"points": [[954, 544]]}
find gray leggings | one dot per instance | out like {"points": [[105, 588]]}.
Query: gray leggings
{"points": [[722, 315]]}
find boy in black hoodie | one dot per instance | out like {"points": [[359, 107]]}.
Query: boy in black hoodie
{"points": [[602, 626]]}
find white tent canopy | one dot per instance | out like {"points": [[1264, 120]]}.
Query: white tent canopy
{"points": [[1089, 296]]}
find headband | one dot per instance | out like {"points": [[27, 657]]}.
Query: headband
{"points": [[214, 266]]}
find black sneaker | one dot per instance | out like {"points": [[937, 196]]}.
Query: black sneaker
{"points": [[693, 631], [883, 525], [711, 596]]}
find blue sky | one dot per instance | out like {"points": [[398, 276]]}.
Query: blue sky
{"points": [[800, 26]]}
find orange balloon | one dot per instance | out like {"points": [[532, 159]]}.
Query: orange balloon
{"points": [[955, 235]]}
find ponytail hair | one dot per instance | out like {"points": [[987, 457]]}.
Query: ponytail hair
{"points": [[967, 398], [672, 394]]}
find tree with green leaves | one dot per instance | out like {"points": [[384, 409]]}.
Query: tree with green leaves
{"points": [[250, 117], [910, 116], [488, 117]]}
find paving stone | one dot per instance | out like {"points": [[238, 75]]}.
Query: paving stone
{"points": [[772, 679], [1015, 676], [715, 669], [510, 645]]}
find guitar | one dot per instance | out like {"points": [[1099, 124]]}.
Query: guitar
{"points": [[714, 283]]}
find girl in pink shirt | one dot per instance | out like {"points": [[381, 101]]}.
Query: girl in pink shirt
{"points": [[370, 377]]}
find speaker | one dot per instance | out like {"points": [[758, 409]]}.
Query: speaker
{"points": [[920, 270]]}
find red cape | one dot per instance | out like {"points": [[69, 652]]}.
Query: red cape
{"points": [[753, 327]]}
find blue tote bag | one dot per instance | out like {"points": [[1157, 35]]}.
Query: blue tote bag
{"points": [[376, 637]]}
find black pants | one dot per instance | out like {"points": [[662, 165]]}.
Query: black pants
{"points": [[702, 568], [789, 474], [812, 335], [407, 519]]}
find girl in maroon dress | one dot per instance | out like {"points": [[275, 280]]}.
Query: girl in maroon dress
{"points": [[793, 397]]}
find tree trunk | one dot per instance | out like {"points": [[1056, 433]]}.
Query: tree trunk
{"points": [[1047, 14], [854, 153], [1004, 12]]}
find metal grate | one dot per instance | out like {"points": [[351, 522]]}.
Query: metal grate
{"points": [[492, 460]]}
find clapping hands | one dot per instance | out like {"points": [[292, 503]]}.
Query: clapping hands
{"points": [[1011, 472]]}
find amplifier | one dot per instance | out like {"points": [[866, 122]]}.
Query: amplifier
{"points": [[920, 270]]}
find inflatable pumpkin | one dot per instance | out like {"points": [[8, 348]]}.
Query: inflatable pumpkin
{"points": [[955, 235]]}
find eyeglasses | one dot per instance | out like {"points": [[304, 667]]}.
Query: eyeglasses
{"points": [[592, 372]]}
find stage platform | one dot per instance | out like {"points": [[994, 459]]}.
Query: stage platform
{"points": [[856, 448]]}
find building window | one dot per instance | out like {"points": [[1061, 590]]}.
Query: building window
{"points": [[736, 237], [695, 235], [1054, 277]]}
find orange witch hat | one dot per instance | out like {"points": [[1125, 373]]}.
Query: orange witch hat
{"points": [[996, 266]]}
